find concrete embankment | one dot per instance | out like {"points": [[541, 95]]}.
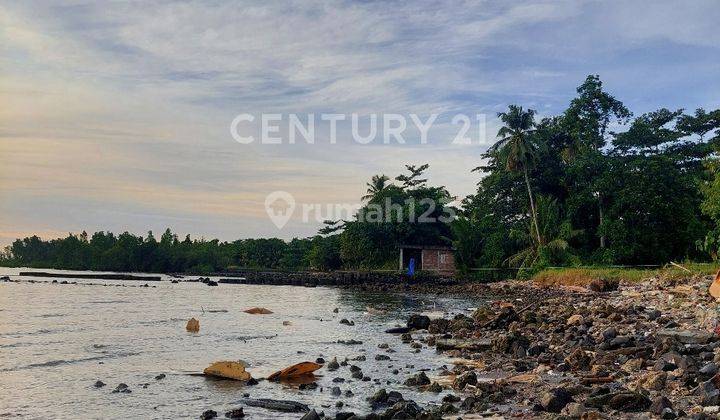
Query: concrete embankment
{"points": [[98, 276], [312, 279]]}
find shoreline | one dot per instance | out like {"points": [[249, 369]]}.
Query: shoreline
{"points": [[644, 349], [632, 349]]}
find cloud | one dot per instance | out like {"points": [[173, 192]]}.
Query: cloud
{"points": [[125, 107]]}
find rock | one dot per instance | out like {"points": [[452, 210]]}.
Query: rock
{"points": [[336, 391], [686, 336], [482, 314], [160, 376], [574, 410], [609, 333], [511, 343], [709, 370], [99, 384], [398, 330], [310, 415], [286, 406], [653, 314], [576, 319], [659, 404], [503, 319], [603, 285], [632, 365], [629, 401], [653, 381], [333, 365], [443, 344], [344, 415], [380, 357], [418, 322], [465, 379], [236, 413], [418, 380], [708, 393], [555, 400], [435, 387], [403, 410], [347, 322], [122, 388], [579, 360], [208, 414], [439, 326]]}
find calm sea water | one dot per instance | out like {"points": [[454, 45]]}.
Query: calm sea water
{"points": [[57, 340]]}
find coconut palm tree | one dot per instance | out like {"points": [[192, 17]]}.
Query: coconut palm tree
{"points": [[377, 185], [517, 148]]}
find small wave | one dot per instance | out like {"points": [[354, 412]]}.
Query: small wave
{"points": [[108, 301], [53, 363], [250, 337], [51, 315]]}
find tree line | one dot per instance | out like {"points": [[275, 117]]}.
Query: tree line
{"points": [[593, 185]]}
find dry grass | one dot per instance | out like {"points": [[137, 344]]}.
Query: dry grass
{"points": [[584, 276]]}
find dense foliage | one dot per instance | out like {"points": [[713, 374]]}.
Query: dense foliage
{"points": [[625, 197], [593, 185], [127, 252]]}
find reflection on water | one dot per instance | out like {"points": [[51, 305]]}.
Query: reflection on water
{"points": [[56, 341]]}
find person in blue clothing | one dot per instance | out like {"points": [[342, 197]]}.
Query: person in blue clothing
{"points": [[411, 267]]}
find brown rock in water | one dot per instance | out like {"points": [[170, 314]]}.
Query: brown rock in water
{"points": [[193, 325]]}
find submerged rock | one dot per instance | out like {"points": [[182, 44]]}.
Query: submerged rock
{"points": [[208, 414], [237, 413]]}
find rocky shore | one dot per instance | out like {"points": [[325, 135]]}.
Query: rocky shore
{"points": [[644, 350]]}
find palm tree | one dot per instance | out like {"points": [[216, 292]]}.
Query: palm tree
{"points": [[518, 149], [377, 185]]}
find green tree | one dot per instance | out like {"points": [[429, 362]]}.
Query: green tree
{"points": [[517, 148]]}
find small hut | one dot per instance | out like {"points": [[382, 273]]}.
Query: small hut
{"points": [[432, 258]]}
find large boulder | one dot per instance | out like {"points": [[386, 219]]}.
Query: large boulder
{"points": [[418, 322]]}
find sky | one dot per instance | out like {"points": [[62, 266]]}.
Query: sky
{"points": [[116, 115]]}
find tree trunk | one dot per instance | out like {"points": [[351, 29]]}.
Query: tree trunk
{"points": [[600, 207], [532, 206]]}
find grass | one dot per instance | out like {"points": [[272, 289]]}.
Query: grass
{"points": [[583, 276]]}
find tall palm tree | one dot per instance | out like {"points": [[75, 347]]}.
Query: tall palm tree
{"points": [[517, 148], [377, 185]]}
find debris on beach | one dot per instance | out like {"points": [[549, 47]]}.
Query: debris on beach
{"points": [[299, 369], [258, 311], [193, 325], [229, 369]]}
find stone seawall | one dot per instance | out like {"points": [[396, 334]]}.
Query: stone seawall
{"points": [[311, 279]]}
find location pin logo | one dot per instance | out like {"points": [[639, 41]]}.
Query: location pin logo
{"points": [[280, 206]]}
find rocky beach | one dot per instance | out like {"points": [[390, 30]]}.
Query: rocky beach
{"points": [[606, 349], [640, 350]]}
